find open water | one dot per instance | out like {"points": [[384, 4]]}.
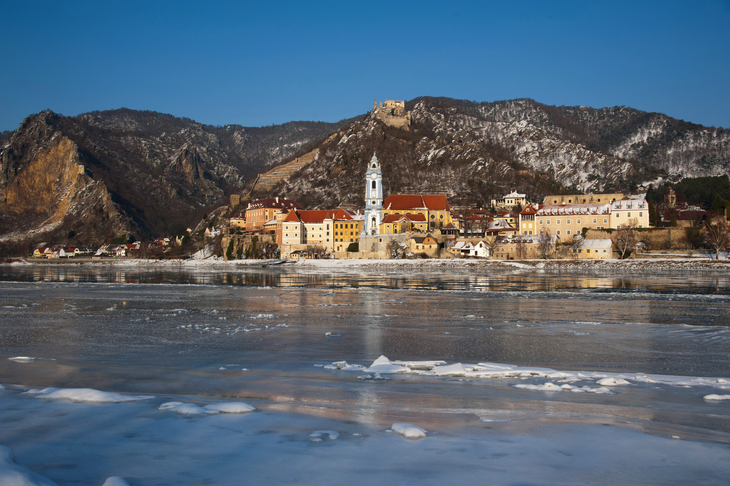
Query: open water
{"points": [[264, 334]]}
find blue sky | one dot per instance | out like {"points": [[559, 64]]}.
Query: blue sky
{"points": [[266, 63]]}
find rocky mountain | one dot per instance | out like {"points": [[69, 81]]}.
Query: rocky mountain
{"points": [[474, 152], [99, 175], [103, 174]]}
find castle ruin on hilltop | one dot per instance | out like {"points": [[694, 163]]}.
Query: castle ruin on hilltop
{"points": [[393, 113]]}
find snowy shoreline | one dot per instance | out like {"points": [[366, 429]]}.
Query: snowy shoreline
{"points": [[330, 264]]}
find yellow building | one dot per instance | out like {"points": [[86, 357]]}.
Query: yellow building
{"points": [[596, 249], [527, 225], [397, 223], [566, 221], [347, 229], [434, 208]]}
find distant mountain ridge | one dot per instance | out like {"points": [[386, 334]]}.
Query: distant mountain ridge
{"points": [[474, 152], [97, 175]]}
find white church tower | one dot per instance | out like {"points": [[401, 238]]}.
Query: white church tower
{"points": [[373, 198]]}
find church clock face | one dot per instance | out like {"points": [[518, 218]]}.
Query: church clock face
{"points": [[374, 176]]}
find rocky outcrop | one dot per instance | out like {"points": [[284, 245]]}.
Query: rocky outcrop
{"points": [[48, 194]]}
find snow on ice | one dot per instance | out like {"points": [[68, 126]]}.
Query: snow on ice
{"points": [[192, 410], [383, 365], [84, 395], [408, 431]]}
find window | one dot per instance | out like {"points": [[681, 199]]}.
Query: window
{"points": [[557, 222], [548, 221], [567, 222], [568, 232], [641, 214], [605, 220], [628, 214], [578, 221], [558, 231], [595, 221], [374, 185], [540, 221]]}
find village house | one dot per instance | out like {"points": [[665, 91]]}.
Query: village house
{"points": [[510, 201], [423, 244], [262, 211], [527, 221], [629, 211], [600, 248], [521, 247], [510, 217], [237, 223], [477, 249]]}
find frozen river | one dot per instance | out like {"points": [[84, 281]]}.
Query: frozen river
{"points": [[269, 337]]}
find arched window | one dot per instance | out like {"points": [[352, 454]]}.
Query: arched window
{"points": [[374, 185]]}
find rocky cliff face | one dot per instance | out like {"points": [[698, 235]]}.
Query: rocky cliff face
{"points": [[102, 174], [474, 152]]}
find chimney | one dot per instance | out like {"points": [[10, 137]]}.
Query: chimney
{"points": [[277, 199]]}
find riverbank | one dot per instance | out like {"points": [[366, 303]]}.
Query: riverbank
{"points": [[331, 264]]}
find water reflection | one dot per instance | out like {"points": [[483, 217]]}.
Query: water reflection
{"points": [[472, 279]]}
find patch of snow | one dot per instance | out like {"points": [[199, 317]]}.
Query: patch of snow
{"points": [[229, 407], [408, 431], [330, 434], [612, 382], [13, 474], [716, 397], [22, 359], [85, 395], [115, 481]]}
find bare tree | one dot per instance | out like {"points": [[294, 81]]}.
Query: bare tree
{"points": [[625, 238], [397, 249], [520, 247], [545, 247], [717, 234], [317, 251], [490, 242]]}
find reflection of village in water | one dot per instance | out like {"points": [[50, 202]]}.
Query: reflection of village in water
{"points": [[494, 280]]}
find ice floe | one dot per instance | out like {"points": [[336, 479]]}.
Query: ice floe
{"points": [[22, 359], [192, 410], [13, 474], [85, 395], [408, 431], [716, 397], [383, 365], [115, 481], [612, 382], [318, 435]]}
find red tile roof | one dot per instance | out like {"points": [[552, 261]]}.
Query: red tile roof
{"points": [[403, 202]]}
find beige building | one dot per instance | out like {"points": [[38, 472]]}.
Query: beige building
{"points": [[262, 211], [566, 221], [510, 201], [629, 210], [598, 249], [582, 198]]}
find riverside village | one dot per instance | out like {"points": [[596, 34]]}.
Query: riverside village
{"points": [[411, 226]]}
